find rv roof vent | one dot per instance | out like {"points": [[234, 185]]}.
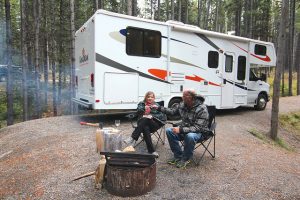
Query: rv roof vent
{"points": [[174, 22]]}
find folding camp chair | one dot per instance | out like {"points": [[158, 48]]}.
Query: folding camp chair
{"points": [[157, 136], [206, 139]]}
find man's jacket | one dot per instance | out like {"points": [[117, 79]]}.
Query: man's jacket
{"points": [[194, 120]]}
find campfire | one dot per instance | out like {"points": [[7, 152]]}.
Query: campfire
{"points": [[129, 174]]}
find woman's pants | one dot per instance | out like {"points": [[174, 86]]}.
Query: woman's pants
{"points": [[146, 126]]}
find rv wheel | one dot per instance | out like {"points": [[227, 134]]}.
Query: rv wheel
{"points": [[261, 102], [174, 103]]}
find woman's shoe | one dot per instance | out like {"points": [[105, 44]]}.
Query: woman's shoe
{"points": [[155, 153]]}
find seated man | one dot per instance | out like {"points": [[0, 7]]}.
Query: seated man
{"points": [[194, 124]]}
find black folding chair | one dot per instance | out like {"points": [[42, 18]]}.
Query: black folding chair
{"points": [[207, 138], [157, 136]]}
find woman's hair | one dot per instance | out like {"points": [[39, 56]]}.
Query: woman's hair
{"points": [[147, 94]]}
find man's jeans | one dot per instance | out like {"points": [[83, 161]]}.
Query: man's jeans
{"points": [[190, 141]]}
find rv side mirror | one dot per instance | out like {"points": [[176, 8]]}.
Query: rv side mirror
{"points": [[263, 77]]}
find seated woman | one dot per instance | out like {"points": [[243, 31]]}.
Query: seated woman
{"points": [[148, 122]]}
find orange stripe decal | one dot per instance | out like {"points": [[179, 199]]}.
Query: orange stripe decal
{"points": [[159, 73], [211, 83], [162, 74], [194, 78]]}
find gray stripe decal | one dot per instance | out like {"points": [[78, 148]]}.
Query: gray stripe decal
{"points": [[208, 41], [179, 41], [237, 85], [111, 63]]}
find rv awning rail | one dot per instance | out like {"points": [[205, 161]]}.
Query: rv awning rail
{"points": [[194, 29]]}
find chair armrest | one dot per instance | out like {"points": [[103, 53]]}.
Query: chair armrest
{"points": [[131, 117], [174, 124], [213, 126]]}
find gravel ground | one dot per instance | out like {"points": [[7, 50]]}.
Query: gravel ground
{"points": [[39, 158]]}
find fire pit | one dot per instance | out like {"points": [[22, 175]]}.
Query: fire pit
{"points": [[129, 174]]}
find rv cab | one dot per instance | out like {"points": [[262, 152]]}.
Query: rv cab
{"points": [[258, 90]]}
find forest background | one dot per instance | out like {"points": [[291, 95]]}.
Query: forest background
{"points": [[37, 40]]}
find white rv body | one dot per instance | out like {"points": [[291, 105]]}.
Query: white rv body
{"points": [[109, 76]]}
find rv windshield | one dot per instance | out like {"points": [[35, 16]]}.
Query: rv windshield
{"points": [[253, 76]]}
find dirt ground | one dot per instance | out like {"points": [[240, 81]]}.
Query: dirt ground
{"points": [[39, 158]]}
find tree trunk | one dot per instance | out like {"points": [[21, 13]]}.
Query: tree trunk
{"points": [[46, 54], [205, 14], [199, 12], [129, 7], [2, 30], [217, 15], [158, 10], [172, 9], [278, 69], [208, 14], [291, 42], [134, 8], [37, 14], [167, 10], [9, 83], [46, 69], [72, 54], [54, 88], [297, 62], [95, 5], [284, 60], [179, 10], [238, 19], [23, 6], [53, 57], [151, 9], [60, 50], [251, 20], [246, 19], [186, 12], [99, 4]]}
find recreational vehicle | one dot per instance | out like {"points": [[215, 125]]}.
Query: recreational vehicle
{"points": [[119, 58]]}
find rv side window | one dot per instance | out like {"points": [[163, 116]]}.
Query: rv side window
{"points": [[143, 42], [260, 50], [228, 63], [213, 59], [241, 68]]}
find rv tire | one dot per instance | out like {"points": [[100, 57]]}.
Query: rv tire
{"points": [[173, 103], [261, 102]]}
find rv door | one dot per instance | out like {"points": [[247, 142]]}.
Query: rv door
{"points": [[228, 80]]}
